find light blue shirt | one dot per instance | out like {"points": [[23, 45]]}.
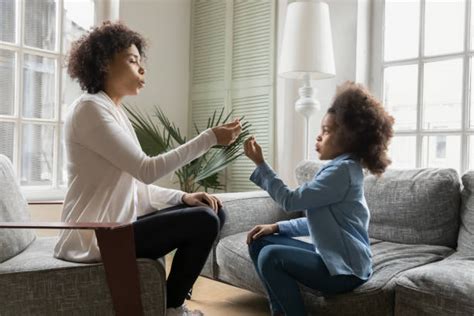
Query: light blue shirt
{"points": [[337, 216]]}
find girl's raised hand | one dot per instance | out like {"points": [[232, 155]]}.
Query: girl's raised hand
{"points": [[253, 150]]}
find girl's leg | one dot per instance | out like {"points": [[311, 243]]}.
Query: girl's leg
{"points": [[190, 230], [254, 250], [283, 267]]}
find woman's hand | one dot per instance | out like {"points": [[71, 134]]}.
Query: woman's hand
{"points": [[253, 150], [226, 134], [202, 199], [260, 231]]}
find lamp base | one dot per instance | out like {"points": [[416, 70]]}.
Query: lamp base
{"points": [[306, 105]]}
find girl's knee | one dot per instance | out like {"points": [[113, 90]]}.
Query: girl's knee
{"points": [[268, 259]]}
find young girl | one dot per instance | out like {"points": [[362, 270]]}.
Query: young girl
{"points": [[355, 133]]}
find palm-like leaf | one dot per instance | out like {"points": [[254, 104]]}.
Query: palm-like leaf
{"points": [[201, 172]]}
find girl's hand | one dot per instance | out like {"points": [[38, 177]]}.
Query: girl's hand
{"points": [[226, 134], [202, 199], [260, 231], [253, 150]]}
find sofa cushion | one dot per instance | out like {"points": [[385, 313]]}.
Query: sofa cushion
{"points": [[416, 206], [306, 169], [13, 208], [440, 288], [375, 297], [466, 229], [36, 283]]}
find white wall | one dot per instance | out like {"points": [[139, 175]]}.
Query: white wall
{"points": [[166, 26]]}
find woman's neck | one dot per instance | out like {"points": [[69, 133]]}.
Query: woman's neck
{"points": [[114, 96]]}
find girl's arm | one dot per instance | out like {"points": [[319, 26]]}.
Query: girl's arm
{"points": [[330, 186], [294, 227]]}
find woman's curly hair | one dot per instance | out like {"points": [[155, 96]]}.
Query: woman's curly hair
{"points": [[364, 128], [90, 55]]}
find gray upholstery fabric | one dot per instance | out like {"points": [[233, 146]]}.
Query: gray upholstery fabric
{"points": [[306, 170], [247, 209], [13, 208], [466, 230], [244, 210], [441, 288], [376, 297], [36, 283], [418, 206]]}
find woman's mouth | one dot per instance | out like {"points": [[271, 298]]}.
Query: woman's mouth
{"points": [[142, 83]]}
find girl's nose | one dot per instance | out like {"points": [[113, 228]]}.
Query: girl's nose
{"points": [[141, 71]]}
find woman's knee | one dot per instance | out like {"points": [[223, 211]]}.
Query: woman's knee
{"points": [[207, 219]]}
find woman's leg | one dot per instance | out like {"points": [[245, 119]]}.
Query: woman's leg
{"points": [[254, 250], [283, 267], [190, 230]]}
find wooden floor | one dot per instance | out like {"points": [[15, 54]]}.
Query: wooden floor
{"points": [[218, 299]]}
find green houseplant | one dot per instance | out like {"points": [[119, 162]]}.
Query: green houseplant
{"points": [[160, 136]]}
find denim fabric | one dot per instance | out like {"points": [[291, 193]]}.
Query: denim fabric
{"points": [[283, 262]]}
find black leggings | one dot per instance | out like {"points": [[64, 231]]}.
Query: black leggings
{"points": [[190, 230]]}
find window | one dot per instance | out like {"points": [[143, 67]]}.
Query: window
{"points": [[232, 61], [35, 89], [422, 58]]}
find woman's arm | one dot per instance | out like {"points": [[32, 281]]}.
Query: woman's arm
{"points": [[97, 130]]}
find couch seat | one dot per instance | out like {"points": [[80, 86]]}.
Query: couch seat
{"points": [[376, 297], [440, 288], [59, 287]]}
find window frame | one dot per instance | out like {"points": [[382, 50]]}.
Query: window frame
{"points": [[378, 67], [56, 191]]}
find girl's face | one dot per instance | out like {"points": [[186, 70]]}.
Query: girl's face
{"points": [[325, 142], [125, 73]]}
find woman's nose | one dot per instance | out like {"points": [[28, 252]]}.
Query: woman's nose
{"points": [[141, 71]]}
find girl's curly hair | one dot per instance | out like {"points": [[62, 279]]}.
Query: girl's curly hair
{"points": [[90, 55], [364, 128]]}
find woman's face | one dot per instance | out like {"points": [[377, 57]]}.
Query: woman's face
{"points": [[125, 73], [326, 141]]}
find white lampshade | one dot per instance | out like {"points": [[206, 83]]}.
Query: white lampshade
{"points": [[307, 42]]}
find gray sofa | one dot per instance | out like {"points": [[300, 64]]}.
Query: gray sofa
{"points": [[33, 282], [422, 239]]}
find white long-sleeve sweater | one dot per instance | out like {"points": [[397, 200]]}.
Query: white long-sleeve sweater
{"points": [[109, 175]]}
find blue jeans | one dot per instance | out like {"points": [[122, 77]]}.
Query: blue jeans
{"points": [[282, 262]]}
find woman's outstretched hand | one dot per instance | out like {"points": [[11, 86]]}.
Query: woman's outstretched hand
{"points": [[260, 231], [253, 150], [226, 134], [202, 199]]}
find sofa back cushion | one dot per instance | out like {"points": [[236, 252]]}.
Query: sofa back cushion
{"points": [[466, 229], [13, 208], [414, 206]]}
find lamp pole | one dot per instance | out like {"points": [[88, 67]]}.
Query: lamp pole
{"points": [[307, 105]]}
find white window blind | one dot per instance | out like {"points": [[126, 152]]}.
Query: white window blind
{"points": [[35, 89], [233, 61]]}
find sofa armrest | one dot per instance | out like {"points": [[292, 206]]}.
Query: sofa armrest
{"points": [[246, 209], [117, 250]]}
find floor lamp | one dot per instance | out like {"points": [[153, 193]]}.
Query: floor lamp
{"points": [[307, 54]]}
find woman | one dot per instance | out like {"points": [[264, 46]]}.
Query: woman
{"points": [[110, 177]]}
